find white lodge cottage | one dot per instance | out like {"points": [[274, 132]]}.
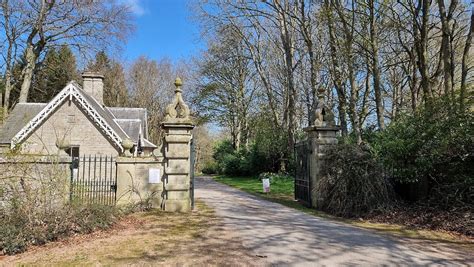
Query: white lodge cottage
{"points": [[76, 122]]}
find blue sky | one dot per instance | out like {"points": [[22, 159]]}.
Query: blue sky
{"points": [[164, 28]]}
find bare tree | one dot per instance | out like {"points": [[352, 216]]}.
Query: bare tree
{"points": [[227, 88], [13, 26], [86, 26], [150, 86]]}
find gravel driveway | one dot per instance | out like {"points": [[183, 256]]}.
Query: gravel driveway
{"points": [[284, 236]]}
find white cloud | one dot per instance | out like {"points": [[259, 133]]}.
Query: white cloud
{"points": [[135, 6]]}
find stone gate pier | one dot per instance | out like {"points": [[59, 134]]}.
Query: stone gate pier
{"points": [[320, 134], [170, 164], [177, 153]]}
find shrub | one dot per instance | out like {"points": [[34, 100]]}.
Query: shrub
{"points": [[231, 161], [34, 208], [19, 230], [210, 168], [435, 147], [352, 182], [269, 147]]}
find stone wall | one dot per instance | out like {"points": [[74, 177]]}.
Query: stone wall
{"points": [[133, 181], [35, 178], [68, 123]]}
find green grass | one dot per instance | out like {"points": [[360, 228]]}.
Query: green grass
{"points": [[280, 189], [282, 192]]}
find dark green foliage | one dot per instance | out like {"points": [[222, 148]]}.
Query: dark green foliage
{"points": [[52, 75], [115, 90], [352, 182], [231, 161], [210, 168], [245, 161], [436, 146], [19, 230], [269, 149]]}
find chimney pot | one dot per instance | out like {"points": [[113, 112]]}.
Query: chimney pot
{"points": [[93, 85]]}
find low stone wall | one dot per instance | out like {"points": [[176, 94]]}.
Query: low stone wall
{"points": [[36, 178], [135, 181]]}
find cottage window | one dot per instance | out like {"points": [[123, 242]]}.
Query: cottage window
{"points": [[73, 152]]}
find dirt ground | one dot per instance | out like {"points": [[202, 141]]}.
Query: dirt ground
{"points": [[145, 239]]}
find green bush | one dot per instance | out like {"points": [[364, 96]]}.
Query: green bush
{"points": [[230, 161], [210, 168], [269, 147], [352, 182], [435, 147]]}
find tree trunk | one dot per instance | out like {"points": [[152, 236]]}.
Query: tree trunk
{"points": [[465, 62], [421, 42], [446, 52], [33, 50], [8, 87], [8, 63], [375, 67], [286, 40], [342, 110], [27, 73]]}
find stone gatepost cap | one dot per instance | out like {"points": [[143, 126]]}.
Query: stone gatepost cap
{"points": [[92, 74], [322, 128]]}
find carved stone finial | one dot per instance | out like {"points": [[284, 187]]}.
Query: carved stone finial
{"points": [[177, 111], [322, 114], [178, 83]]}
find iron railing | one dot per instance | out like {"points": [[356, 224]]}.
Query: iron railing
{"points": [[94, 180]]}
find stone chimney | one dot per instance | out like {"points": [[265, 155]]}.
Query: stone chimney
{"points": [[93, 85]]}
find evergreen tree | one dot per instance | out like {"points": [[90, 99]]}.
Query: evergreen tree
{"points": [[115, 90], [54, 73]]}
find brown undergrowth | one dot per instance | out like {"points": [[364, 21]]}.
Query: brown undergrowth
{"points": [[457, 221], [146, 239]]}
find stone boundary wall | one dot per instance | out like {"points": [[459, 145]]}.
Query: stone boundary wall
{"points": [[34, 177], [133, 181]]}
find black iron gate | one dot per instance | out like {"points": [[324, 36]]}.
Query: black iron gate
{"points": [[94, 179], [302, 177], [191, 172]]}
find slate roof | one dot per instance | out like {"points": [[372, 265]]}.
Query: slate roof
{"points": [[132, 115], [104, 113], [125, 122], [18, 118]]}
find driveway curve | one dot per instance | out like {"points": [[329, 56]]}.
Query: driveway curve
{"points": [[285, 236]]}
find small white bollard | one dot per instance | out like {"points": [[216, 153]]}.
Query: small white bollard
{"points": [[266, 185]]}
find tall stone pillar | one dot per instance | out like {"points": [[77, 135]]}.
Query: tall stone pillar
{"points": [[177, 154], [321, 133]]}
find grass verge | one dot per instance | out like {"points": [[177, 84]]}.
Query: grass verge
{"points": [[282, 192]]}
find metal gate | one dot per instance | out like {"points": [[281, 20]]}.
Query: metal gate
{"points": [[302, 174], [94, 179], [191, 172]]}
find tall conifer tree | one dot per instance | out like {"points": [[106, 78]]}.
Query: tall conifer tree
{"points": [[57, 69], [115, 90]]}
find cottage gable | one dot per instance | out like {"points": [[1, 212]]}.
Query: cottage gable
{"points": [[69, 126], [98, 114], [75, 118]]}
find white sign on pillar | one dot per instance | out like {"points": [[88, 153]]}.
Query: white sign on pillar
{"points": [[154, 176]]}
